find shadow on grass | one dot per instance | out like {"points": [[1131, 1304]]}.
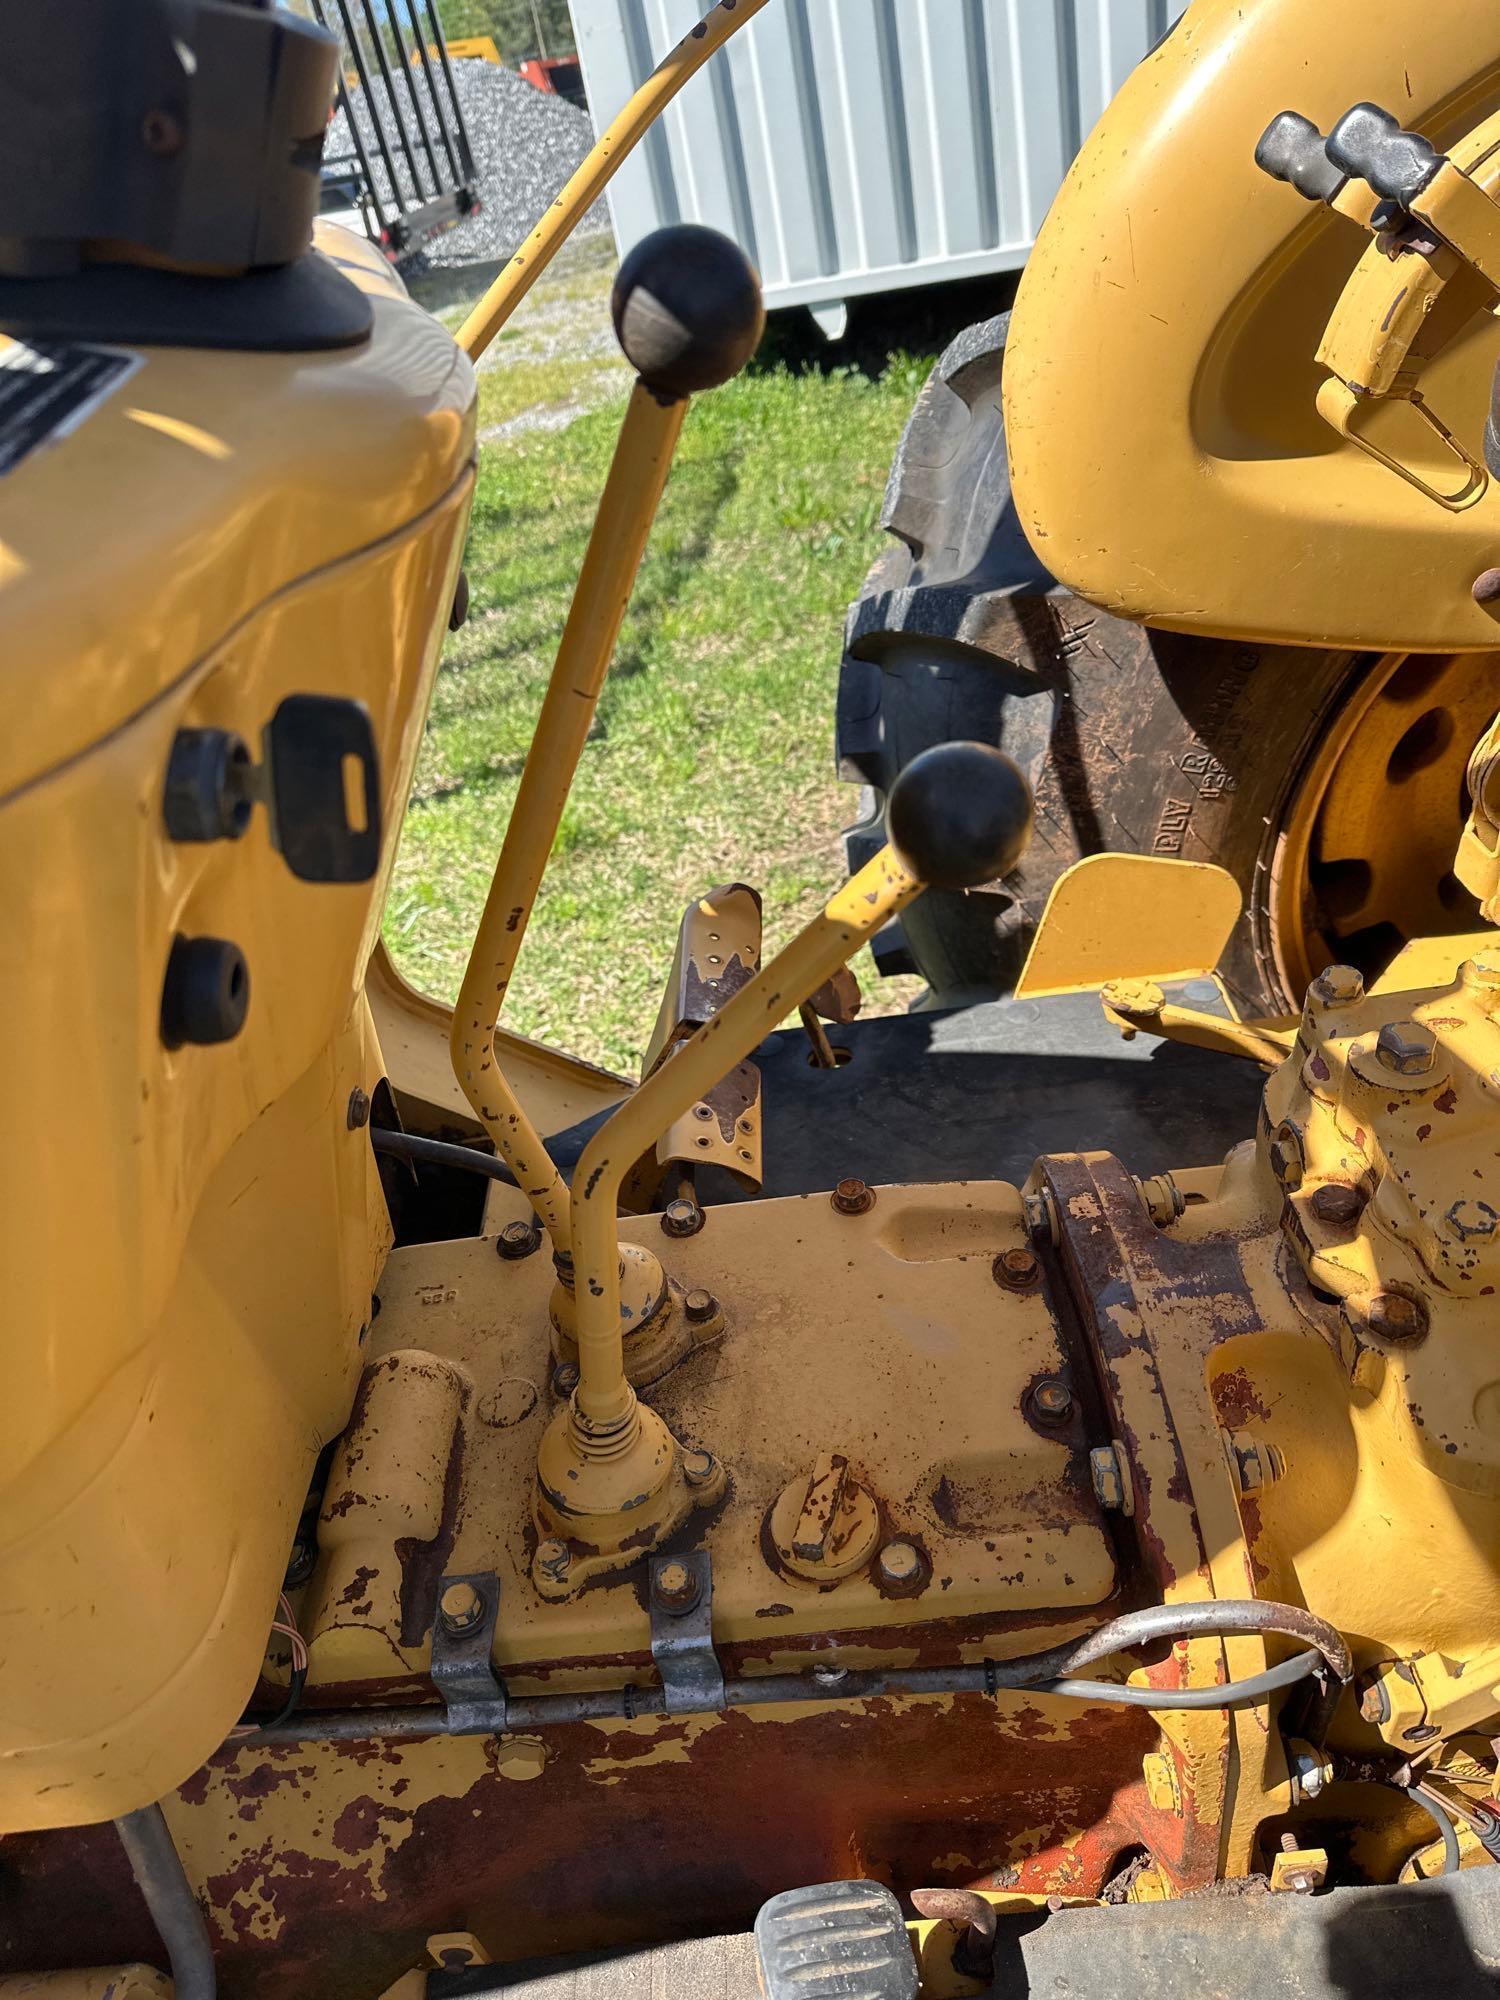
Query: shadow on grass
{"points": [[919, 321]]}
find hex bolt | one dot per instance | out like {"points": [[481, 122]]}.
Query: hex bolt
{"points": [[1016, 1270], [462, 1608], [565, 1378], [1285, 1154], [518, 1239], [1471, 1221], [520, 1757], [1374, 1702], [1052, 1400], [899, 1564], [681, 1217], [700, 1307], [1041, 1216], [1338, 1204], [1393, 1316], [554, 1559], [357, 1111], [1108, 1476], [675, 1587], [698, 1467], [852, 1197], [1406, 1047], [1338, 986]]}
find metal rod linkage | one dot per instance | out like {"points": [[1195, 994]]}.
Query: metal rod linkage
{"points": [[180, 1924]]}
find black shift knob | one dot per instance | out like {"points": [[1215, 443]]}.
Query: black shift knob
{"points": [[1291, 149], [959, 814], [687, 309]]}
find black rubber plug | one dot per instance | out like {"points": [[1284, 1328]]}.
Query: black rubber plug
{"points": [[687, 309], [206, 993], [959, 815]]}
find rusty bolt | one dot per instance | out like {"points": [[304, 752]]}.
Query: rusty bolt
{"points": [[1285, 1154], [681, 1217], [357, 1111], [1374, 1702], [1393, 1316], [1108, 1476], [852, 1198], [675, 1587], [1338, 1204], [700, 1307], [1406, 1047], [565, 1378], [899, 1564], [1471, 1221], [1016, 1270], [462, 1608], [1338, 986], [698, 1467], [161, 133], [518, 1239], [1052, 1400], [553, 1560]]}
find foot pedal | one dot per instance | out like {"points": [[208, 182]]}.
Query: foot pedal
{"points": [[835, 1941]]}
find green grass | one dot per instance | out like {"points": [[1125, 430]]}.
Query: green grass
{"points": [[711, 759]]}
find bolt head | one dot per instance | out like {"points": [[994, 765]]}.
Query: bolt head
{"points": [[675, 1587], [899, 1563], [1338, 1204], [700, 1307], [698, 1467], [1393, 1316], [852, 1197], [1052, 1400], [1406, 1047], [1338, 986], [1017, 1270], [681, 1218], [1108, 1476], [1471, 1221], [520, 1757], [553, 1559], [357, 1111], [518, 1239], [462, 1607], [565, 1378]]}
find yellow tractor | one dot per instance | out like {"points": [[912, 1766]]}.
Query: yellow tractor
{"points": [[1015, 1510]]}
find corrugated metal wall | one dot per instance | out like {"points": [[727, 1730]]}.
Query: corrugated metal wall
{"points": [[861, 145]]}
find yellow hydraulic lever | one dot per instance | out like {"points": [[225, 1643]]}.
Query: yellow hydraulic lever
{"points": [[609, 1474], [589, 182], [688, 314]]}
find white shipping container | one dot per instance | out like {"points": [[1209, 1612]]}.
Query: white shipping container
{"points": [[863, 145]]}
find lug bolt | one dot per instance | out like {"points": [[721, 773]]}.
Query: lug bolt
{"points": [[698, 1467], [899, 1564], [553, 1560], [1406, 1047], [1016, 1270], [357, 1112], [1052, 1401], [700, 1307], [1338, 986], [518, 1239], [462, 1608], [681, 1217], [852, 1198], [675, 1587], [1338, 1204]]}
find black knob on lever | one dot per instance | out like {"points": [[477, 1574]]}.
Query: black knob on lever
{"points": [[1370, 143], [1291, 150], [687, 310], [959, 815]]}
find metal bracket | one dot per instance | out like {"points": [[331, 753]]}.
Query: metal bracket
{"points": [[681, 1633], [462, 1670]]}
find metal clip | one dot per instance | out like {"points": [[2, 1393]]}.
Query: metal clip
{"points": [[1337, 405], [463, 1631], [682, 1644]]}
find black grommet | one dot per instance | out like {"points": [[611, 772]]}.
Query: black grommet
{"points": [[206, 993], [687, 309], [208, 790], [960, 814]]}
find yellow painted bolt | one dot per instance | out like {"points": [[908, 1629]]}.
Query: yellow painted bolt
{"points": [[521, 1757], [462, 1607]]}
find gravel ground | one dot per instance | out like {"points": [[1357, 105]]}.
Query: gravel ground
{"points": [[526, 143]]}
